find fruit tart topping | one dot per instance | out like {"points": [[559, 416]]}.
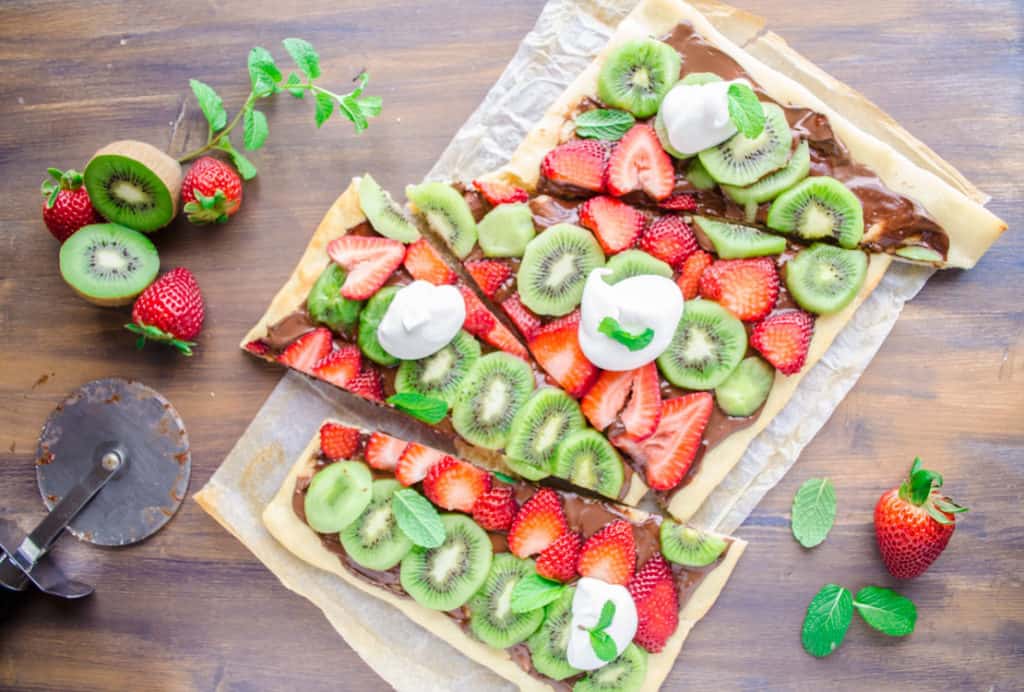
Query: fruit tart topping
{"points": [[415, 462], [424, 263], [586, 458], [537, 429], [340, 366], [735, 241], [338, 441], [497, 192], [481, 322], [170, 311], [337, 495], [447, 213], [496, 508], [525, 321], [616, 224], [604, 621], [367, 384], [554, 268], [784, 339], [824, 279], [558, 561], [656, 597], [742, 160], [693, 269], [610, 554], [506, 230], [606, 401], [681, 202], [556, 348], [421, 320], [579, 164], [748, 288], [708, 344], [639, 163], [670, 239], [306, 352], [819, 208], [369, 261], [637, 74], [383, 451], [688, 546], [489, 275], [746, 389], [454, 484], [539, 523], [385, 215]]}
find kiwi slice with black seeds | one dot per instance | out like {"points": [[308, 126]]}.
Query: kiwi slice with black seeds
{"points": [[491, 617], [747, 388], [337, 495], [554, 268], [688, 546], [699, 176], [489, 398], [634, 263], [107, 264], [447, 214], [369, 319], [549, 645], [440, 374], [327, 306], [134, 184], [543, 421], [506, 230], [741, 160], [732, 240], [819, 208], [824, 278], [625, 674], [385, 214], [586, 458], [773, 184], [445, 577], [374, 539], [637, 74], [708, 344]]}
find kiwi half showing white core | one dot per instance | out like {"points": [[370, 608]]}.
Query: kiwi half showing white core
{"points": [[134, 184], [108, 264]]}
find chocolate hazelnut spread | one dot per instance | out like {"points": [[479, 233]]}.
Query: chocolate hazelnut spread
{"points": [[287, 330]]}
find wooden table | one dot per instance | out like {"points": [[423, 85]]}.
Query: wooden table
{"points": [[192, 609]]}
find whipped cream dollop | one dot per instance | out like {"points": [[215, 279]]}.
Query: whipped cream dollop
{"points": [[590, 597], [421, 320], [696, 116], [637, 303]]}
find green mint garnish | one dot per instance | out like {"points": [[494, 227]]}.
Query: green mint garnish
{"points": [[532, 592], [828, 617], [611, 328], [601, 641], [886, 611], [745, 111], [424, 408], [417, 518], [602, 123], [814, 511], [503, 477]]}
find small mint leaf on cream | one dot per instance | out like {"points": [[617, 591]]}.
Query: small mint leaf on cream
{"points": [[611, 328], [745, 111], [603, 644]]}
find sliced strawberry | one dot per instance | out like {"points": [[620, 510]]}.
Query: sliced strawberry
{"points": [[670, 239], [642, 414], [479, 319], [656, 598], [556, 346], [369, 261], [639, 163], [610, 554], [490, 275], [304, 353], [748, 288], [539, 523], [500, 337], [496, 509], [616, 224], [607, 397], [454, 484], [693, 269], [558, 560], [339, 367], [680, 202], [424, 263], [338, 441], [383, 451], [784, 339], [415, 461], [367, 384], [668, 454], [525, 321], [580, 163], [497, 192], [257, 347]]}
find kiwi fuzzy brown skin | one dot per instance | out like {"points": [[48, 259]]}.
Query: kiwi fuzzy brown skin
{"points": [[165, 168]]}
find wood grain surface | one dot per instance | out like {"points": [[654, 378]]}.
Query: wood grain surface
{"points": [[192, 609]]}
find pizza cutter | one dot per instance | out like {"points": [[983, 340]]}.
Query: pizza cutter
{"points": [[113, 464]]}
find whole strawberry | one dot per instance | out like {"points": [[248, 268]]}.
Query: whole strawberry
{"points": [[66, 205], [211, 191], [914, 522], [169, 311]]}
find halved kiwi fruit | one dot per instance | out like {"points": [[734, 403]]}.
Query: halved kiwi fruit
{"points": [[506, 230], [543, 421], [742, 160], [440, 374], [819, 208], [108, 264], [337, 495], [554, 268], [625, 674], [732, 240], [685, 545], [489, 398], [385, 214], [707, 346], [637, 74], [773, 184], [447, 214], [327, 306], [634, 263], [586, 458], [746, 388], [134, 184], [369, 319], [445, 577], [824, 278], [374, 539], [491, 617], [550, 643]]}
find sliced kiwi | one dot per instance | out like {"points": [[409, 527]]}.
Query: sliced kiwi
{"points": [[337, 495], [134, 184], [554, 268], [586, 458], [445, 577], [327, 306], [489, 398], [634, 263], [699, 176], [506, 230], [732, 240], [385, 214], [369, 320], [550, 643], [770, 186], [708, 345], [625, 674], [824, 278], [491, 617], [637, 74], [688, 546], [741, 160], [543, 421], [746, 388], [440, 374], [917, 253], [819, 208], [108, 264], [374, 540], [447, 214]]}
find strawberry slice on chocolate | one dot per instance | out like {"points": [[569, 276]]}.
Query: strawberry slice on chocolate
{"points": [[784, 339], [748, 288], [579, 164], [558, 561], [539, 523], [339, 367], [631, 396], [415, 461], [424, 263], [338, 441], [670, 239], [616, 224], [656, 597], [383, 451], [639, 163], [307, 351], [610, 554], [368, 260], [693, 268], [490, 275], [525, 321], [454, 484], [556, 347], [497, 192]]}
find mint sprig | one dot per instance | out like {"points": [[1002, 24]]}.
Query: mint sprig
{"points": [[611, 328], [532, 592], [814, 511], [600, 640], [417, 518], [831, 611], [603, 123], [745, 110], [425, 408]]}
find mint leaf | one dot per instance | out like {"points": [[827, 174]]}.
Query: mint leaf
{"points": [[607, 615], [417, 518], [370, 105], [745, 111], [886, 611], [255, 129], [210, 104], [304, 55], [814, 511], [294, 81], [828, 617], [602, 123], [425, 408], [603, 644], [532, 592], [349, 106], [245, 167], [611, 328], [263, 71], [324, 108]]}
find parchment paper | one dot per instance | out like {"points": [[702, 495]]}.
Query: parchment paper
{"points": [[567, 36]]}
